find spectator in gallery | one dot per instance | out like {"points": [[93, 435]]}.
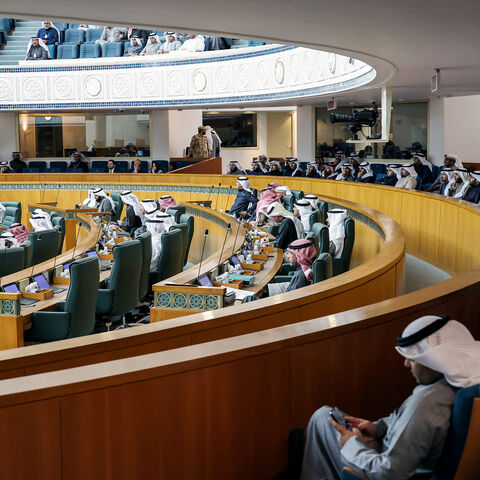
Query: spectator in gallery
{"points": [[49, 33], [137, 166], [122, 153], [135, 32], [199, 144], [111, 167], [408, 179], [153, 45], [171, 44], [473, 192], [194, 43], [16, 163], [135, 47], [111, 34], [78, 160], [37, 50], [393, 172], [365, 173], [131, 150], [4, 168]]}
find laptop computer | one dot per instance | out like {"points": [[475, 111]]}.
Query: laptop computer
{"points": [[43, 283], [12, 288], [235, 261], [204, 281]]}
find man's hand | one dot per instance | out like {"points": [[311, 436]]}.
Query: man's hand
{"points": [[344, 434], [367, 428]]}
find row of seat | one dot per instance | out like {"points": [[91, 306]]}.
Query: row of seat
{"points": [[131, 266]]}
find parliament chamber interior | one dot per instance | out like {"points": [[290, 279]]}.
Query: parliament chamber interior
{"points": [[223, 227]]}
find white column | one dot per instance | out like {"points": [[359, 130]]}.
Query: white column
{"points": [[305, 134], [159, 135], [436, 129], [8, 135], [462, 126], [183, 125]]}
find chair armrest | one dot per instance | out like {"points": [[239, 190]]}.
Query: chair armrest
{"points": [[349, 474], [282, 278], [104, 300], [50, 326], [61, 306]]}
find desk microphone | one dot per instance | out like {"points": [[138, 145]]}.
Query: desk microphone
{"points": [[218, 194], [235, 240], [223, 246], [210, 192], [39, 239], [201, 256], [56, 198]]}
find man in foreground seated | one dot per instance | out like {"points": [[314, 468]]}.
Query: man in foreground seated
{"points": [[245, 203], [441, 354], [301, 253]]}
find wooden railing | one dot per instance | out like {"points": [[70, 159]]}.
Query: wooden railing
{"points": [[379, 252]]}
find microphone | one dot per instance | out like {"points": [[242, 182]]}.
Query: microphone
{"points": [[235, 240], [210, 192], [201, 256], [39, 239], [223, 246], [76, 241], [218, 194], [58, 191]]}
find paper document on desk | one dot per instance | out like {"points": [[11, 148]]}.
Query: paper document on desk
{"points": [[239, 294]]}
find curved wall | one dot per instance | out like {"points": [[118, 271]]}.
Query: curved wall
{"points": [[253, 74]]}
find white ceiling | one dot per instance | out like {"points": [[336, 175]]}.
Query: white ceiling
{"points": [[414, 37]]}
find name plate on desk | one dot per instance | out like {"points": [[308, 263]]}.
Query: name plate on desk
{"points": [[191, 298], [42, 294]]}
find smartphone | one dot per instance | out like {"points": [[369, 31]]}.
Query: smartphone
{"points": [[336, 414]]}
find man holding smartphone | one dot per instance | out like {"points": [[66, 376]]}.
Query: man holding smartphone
{"points": [[441, 354]]}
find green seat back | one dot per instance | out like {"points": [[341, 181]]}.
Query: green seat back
{"points": [[169, 262], [82, 295], [117, 200], [321, 233], [44, 245], [59, 222], [288, 202], [315, 217], [27, 250], [13, 213], [176, 212], [125, 277], [145, 240], [11, 260], [342, 264], [322, 207], [298, 194], [184, 242], [322, 267], [189, 220]]}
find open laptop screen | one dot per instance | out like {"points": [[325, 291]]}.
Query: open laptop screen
{"points": [[204, 281], [11, 288], [235, 260], [41, 281], [93, 253]]}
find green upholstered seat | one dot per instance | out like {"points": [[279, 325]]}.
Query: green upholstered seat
{"points": [[183, 227], [188, 220], [76, 316], [288, 201], [315, 217], [44, 245], [145, 240], [27, 251], [176, 212], [321, 239], [322, 207], [169, 262], [121, 296], [322, 267], [342, 264], [13, 213], [117, 200], [298, 194], [11, 260], [59, 222]]}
